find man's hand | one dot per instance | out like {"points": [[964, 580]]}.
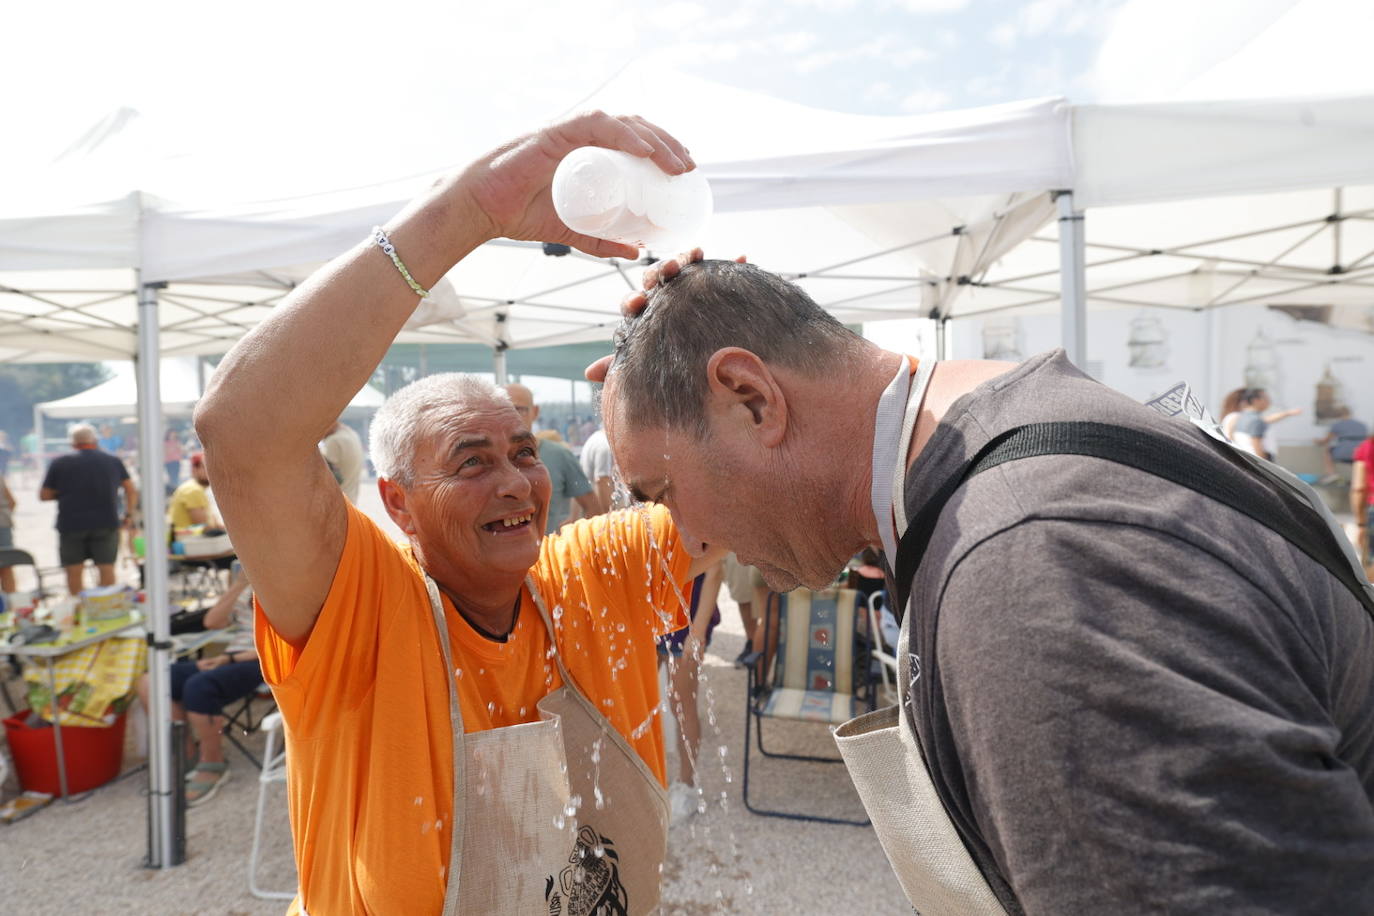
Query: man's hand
{"points": [[634, 303], [511, 185], [213, 662]]}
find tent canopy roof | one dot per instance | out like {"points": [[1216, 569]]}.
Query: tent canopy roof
{"points": [[884, 217]]}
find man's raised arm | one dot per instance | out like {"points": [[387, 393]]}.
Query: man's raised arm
{"points": [[284, 384]]}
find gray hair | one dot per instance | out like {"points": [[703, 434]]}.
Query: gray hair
{"points": [[82, 434], [396, 425], [661, 354]]}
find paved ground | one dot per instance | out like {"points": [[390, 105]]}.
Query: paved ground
{"points": [[86, 857]]}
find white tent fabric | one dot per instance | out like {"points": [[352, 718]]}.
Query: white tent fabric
{"points": [[118, 395], [69, 247], [180, 389]]}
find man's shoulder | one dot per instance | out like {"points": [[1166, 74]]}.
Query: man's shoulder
{"points": [[555, 449]]}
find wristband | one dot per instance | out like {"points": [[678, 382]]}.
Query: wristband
{"points": [[384, 243]]}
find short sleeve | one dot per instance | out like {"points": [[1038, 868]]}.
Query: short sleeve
{"points": [[335, 670], [1251, 424]]}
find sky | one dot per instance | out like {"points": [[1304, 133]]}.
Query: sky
{"points": [[283, 65]]}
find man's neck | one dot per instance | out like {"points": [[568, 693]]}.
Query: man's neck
{"points": [[949, 381], [488, 603]]}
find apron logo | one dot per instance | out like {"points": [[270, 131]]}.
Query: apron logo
{"points": [[914, 672], [590, 885]]}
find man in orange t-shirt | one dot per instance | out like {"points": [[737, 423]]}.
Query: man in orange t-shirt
{"points": [[345, 629]]}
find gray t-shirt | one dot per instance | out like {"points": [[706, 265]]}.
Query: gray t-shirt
{"points": [[1346, 436], [1140, 701], [567, 478], [1251, 423]]}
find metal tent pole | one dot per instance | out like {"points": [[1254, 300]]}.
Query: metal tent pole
{"points": [[498, 364], [1072, 280], [498, 353], [161, 778]]}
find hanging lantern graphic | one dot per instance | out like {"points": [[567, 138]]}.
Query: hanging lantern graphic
{"points": [[1148, 343], [1002, 340], [1262, 364], [1330, 398]]}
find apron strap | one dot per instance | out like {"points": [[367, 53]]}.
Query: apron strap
{"points": [[455, 716], [617, 739], [1277, 505]]}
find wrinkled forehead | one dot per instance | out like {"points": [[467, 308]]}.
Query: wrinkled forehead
{"points": [[443, 423]]}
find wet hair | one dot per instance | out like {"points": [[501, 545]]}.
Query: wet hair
{"points": [[661, 354], [395, 426]]}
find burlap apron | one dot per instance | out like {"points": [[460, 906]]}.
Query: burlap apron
{"points": [[879, 749], [559, 816]]}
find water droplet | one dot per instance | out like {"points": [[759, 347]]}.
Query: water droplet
{"points": [[491, 709], [522, 711], [458, 672], [419, 801], [424, 828], [559, 822], [439, 824]]}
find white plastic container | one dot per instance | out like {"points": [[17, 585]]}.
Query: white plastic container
{"points": [[616, 196]]}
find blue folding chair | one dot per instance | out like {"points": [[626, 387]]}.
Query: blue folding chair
{"points": [[822, 665]]}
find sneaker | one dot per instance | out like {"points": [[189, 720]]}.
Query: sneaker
{"points": [[682, 798], [208, 779]]}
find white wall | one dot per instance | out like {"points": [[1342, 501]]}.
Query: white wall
{"points": [[1210, 350]]}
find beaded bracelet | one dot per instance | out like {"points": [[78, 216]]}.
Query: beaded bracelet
{"points": [[384, 243]]}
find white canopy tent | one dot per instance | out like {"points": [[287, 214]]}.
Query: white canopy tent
{"points": [[877, 217]]}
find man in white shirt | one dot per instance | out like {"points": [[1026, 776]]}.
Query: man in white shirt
{"points": [[598, 464]]}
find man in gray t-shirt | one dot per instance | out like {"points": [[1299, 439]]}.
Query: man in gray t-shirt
{"points": [[565, 474], [1139, 700]]}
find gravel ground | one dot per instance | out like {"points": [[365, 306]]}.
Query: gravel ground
{"points": [[86, 857]]}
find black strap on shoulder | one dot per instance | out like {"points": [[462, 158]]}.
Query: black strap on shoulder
{"points": [[1278, 510]]}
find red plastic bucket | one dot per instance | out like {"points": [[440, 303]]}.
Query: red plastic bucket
{"points": [[93, 755]]}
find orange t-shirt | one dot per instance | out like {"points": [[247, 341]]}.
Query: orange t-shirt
{"points": [[366, 710]]}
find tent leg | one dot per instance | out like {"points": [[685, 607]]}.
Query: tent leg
{"points": [[498, 365], [1072, 280], [162, 852]]}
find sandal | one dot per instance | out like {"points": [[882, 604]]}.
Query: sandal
{"points": [[205, 781]]}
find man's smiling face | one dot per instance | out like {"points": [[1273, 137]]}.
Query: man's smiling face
{"points": [[480, 494]]}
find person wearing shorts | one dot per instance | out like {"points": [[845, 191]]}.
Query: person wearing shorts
{"points": [[684, 666], [748, 591], [201, 688], [86, 484], [6, 535]]}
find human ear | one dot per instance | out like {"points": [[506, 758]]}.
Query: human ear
{"points": [[394, 499], [737, 378]]}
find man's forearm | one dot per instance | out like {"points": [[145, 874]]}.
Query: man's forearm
{"points": [[284, 384]]}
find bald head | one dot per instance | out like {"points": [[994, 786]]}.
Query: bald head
{"points": [[523, 399]]}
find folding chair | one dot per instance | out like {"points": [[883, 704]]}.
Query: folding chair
{"points": [[884, 649], [240, 723], [815, 678], [273, 770], [13, 556]]}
